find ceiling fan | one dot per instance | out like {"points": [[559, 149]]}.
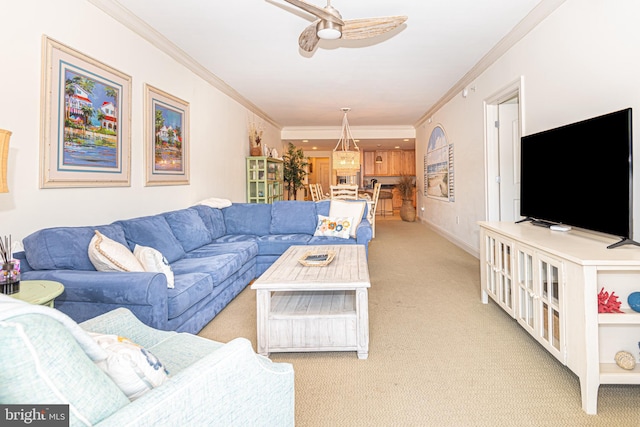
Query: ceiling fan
{"points": [[330, 25]]}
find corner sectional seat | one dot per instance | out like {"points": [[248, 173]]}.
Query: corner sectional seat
{"points": [[213, 253]]}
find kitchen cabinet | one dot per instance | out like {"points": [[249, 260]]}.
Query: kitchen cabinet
{"points": [[549, 282], [394, 163]]}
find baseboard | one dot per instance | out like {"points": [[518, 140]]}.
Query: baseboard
{"points": [[453, 239]]}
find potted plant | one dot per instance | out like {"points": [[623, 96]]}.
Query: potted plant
{"points": [[294, 170], [405, 187]]}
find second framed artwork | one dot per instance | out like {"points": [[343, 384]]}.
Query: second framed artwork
{"points": [[166, 135]]}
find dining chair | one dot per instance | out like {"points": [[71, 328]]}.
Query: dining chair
{"points": [[321, 194], [374, 206], [344, 192], [313, 188]]}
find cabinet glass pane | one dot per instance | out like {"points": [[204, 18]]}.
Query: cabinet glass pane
{"points": [[554, 285], [545, 321], [545, 280], [555, 320]]}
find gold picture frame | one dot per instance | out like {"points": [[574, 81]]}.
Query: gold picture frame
{"points": [[166, 134], [85, 120]]}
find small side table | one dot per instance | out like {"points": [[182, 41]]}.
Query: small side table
{"points": [[41, 292]]}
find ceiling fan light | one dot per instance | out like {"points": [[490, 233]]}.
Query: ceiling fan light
{"points": [[328, 30]]}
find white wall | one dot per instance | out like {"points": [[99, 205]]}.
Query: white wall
{"points": [[581, 62], [218, 123]]}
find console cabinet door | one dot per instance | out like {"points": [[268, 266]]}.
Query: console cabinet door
{"points": [[550, 276], [526, 292], [499, 269]]}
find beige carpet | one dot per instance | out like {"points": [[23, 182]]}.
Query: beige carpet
{"points": [[437, 355]]}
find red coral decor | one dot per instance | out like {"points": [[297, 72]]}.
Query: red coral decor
{"points": [[608, 303]]}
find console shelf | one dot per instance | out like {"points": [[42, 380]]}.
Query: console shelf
{"points": [[549, 282]]}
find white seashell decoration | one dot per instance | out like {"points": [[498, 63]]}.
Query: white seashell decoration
{"points": [[625, 360]]}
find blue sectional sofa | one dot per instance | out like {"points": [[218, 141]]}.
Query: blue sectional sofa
{"points": [[214, 254]]}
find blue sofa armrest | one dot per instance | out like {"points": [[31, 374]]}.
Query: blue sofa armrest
{"points": [[91, 293], [364, 233]]}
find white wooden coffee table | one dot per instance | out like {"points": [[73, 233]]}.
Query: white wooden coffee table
{"points": [[325, 308]]}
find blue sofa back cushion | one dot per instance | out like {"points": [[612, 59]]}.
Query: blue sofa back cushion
{"points": [[247, 218], [293, 217], [188, 228], [66, 248], [213, 220], [153, 231]]}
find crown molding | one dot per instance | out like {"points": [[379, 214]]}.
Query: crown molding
{"points": [[124, 16], [528, 23]]}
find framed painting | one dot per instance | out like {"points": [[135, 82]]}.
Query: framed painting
{"points": [[166, 137], [438, 167], [85, 121]]}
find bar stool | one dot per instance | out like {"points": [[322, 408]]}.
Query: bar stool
{"points": [[385, 197]]}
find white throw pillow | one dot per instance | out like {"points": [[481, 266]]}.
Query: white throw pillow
{"points": [[342, 208], [333, 226], [152, 260], [133, 368], [108, 255]]}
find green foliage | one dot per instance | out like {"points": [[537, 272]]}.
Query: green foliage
{"points": [[294, 169]]}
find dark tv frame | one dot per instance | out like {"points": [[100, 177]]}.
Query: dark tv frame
{"points": [[553, 134]]}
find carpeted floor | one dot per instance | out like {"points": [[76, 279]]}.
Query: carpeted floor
{"points": [[437, 355]]}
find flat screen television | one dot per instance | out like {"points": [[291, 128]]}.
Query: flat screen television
{"points": [[581, 175]]}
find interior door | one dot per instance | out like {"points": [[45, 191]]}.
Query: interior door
{"points": [[509, 159], [324, 173]]}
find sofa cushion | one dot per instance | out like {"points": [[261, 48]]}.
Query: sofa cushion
{"points": [[133, 368], [326, 240], [219, 267], [213, 219], [189, 290], [66, 248], [334, 226], [246, 250], [153, 231], [349, 208], [48, 365], [247, 218], [188, 228], [293, 217], [153, 261], [108, 255], [276, 244]]}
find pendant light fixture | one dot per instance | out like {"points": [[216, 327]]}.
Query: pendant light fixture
{"points": [[346, 161]]}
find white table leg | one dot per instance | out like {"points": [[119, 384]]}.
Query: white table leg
{"points": [[263, 306], [362, 316]]}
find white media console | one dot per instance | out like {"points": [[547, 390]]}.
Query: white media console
{"points": [[549, 282]]}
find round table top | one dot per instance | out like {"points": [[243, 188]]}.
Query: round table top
{"points": [[38, 291]]}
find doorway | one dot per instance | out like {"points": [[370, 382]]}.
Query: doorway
{"points": [[504, 124], [320, 172]]}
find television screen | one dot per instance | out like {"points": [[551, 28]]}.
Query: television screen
{"points": [[580, 175]]}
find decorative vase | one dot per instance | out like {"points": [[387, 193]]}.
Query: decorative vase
{"points": [[407, 211], [9, 278], [256, 150]]}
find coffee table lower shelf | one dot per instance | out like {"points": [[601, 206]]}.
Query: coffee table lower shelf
{"points": [[303, 321]]}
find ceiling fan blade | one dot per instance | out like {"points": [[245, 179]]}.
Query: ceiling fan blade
{"points": [[308, 39], [356, 29], [322, 13]]}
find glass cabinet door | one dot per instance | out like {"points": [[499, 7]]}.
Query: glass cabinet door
{"points": [[499, 272], [550, 333], [526, 292]]}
